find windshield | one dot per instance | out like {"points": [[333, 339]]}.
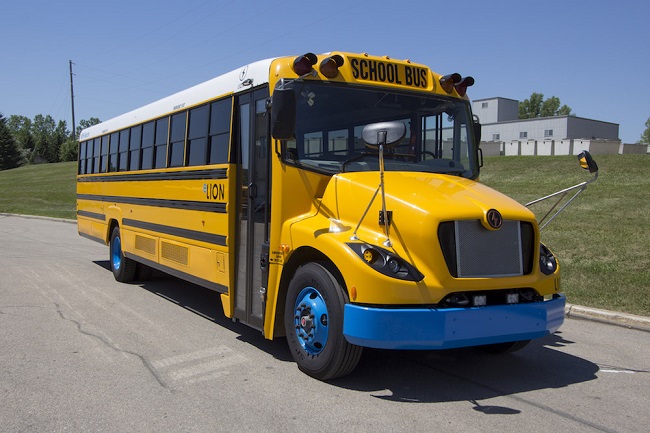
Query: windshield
{"points": [[330, 119]]}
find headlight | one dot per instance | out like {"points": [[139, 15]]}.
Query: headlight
{"points": [[386, 262], [547, 262]]}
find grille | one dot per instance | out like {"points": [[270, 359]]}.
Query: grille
{"points": [[147, 245], [472, 251], [174, 252]]}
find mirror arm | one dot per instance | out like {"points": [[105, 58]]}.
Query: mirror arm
{"points": [[562, 193]]}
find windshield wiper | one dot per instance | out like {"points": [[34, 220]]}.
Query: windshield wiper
{"points": [[353, 159]]}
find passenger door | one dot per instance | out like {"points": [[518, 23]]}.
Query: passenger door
{"points": [[253, 147]]}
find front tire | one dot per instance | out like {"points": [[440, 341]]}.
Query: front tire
{"points": [[123, 268], [313, 320]]}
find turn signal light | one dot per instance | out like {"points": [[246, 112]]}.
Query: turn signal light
{"points": [[461, 87], [304, 64], [330, 66], [447, 82]]}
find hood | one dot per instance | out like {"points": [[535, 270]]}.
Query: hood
{"points": [[418, 201]]}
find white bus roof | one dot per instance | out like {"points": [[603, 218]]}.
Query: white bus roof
{"points": [[239, 80]]}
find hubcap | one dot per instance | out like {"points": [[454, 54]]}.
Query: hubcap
{"points": [[311, 320], [116, 253]]}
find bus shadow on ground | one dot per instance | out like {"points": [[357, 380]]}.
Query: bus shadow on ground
{"points": [[468, 374], [410, 376], [207, 304]]}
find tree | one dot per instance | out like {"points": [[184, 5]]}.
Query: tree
{"points": [[86, 123], [536, 106], [21, 129], [48, 138], [10, 156], [69, 150], [645, 137]]}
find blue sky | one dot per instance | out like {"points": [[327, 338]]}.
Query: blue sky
{"points": [[593, 55]]}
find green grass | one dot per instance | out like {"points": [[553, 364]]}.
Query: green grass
{"points": [[602, 240], [44, 189]]}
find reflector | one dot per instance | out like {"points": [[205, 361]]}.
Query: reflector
{"points": [[304, 64], [330, 66], [447, 82]]}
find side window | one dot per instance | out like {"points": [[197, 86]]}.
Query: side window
{"points": [[97, 154], [219, 139], [123, 151], [82, 158], [197, 136], [177, 139], [134, 147], [148, 130], [112, 151], [160, 143], [102, 161]]}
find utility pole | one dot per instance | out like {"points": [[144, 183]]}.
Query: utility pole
{"points": [[74, 128]]}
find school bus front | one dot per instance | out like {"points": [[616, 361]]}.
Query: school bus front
{"points": [[384, 236]]}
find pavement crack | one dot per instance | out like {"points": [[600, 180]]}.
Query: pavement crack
{"points": [[114, 347]]}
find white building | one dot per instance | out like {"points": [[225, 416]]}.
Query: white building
{"points": [[556, 135], [500, 120]]}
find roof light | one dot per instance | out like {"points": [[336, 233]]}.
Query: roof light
{"points": [[461, 87], [330, 66], [304, 64], [447, 82]]}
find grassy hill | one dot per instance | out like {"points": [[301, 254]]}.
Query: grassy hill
{"points": [[602, 240], [43, 189]]}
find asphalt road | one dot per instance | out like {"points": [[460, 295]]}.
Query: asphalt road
{"points": [[81, 352]]}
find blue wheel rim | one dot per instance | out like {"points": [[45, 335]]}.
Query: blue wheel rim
{"points": [[311, 320], [116, 253]]}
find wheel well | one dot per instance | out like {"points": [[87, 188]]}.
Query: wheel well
{"points": [[111, 225], [301, 256]]}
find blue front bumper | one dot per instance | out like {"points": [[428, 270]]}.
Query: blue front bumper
{"points": [[431, 328]]}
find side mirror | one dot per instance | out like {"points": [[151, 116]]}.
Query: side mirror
{"points": [[587, 162], [477, 131], [283, 114], [383, 133]]}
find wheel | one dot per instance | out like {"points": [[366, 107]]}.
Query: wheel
{"points": [[123, 268], [501, 348], [313, 320]]}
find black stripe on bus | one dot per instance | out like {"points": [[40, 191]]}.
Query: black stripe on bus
{"points": [[158, 202], [93, 215], [175, 231], [219, 173], [92, 238], [179, 274]]}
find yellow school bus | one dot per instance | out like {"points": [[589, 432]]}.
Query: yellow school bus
{"points": [[332, 199]]}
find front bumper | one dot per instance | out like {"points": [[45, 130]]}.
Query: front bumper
{"points": [[432, 328]]}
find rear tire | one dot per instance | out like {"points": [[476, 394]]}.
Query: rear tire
{"points": [[313, 320], [123, 268]]}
